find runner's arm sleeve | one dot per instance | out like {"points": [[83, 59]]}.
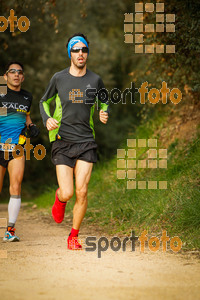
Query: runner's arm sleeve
{"points": [[103, 101], [49, 95]]}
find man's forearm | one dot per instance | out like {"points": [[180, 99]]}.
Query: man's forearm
{"points": [[28, 120]]}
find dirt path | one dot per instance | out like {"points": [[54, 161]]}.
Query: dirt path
{"points": [[41, 267]]}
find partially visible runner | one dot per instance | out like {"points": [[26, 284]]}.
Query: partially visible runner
{"points": [[71, 131], [14, 120]]}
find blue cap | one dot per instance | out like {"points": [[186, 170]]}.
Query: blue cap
{"points": [[74, 41]]}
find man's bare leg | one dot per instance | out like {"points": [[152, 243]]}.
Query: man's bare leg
{"points": [[82, 173], [16, 173], [65, 181], [64, 193]]}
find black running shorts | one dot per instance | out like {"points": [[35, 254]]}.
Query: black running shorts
{"points": [[64, 153], [5, 158]]}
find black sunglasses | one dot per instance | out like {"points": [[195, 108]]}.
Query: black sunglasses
{"points": [[13, 71], [77, 49]]}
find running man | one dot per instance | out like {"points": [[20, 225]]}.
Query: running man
{"points": [[71, 131], [14, 119]]}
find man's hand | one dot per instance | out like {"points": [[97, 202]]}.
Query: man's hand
{"points": [[34, 131], [103, 116], [51, 124]]}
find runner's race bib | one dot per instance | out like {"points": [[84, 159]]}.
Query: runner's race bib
{"points": [[7, 147]]}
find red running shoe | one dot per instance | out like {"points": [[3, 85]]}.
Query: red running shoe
{"points": [[73, 243], [58, 209]]}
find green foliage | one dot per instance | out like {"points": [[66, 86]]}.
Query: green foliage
{"points": [[182, 68], [176, 209]]}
